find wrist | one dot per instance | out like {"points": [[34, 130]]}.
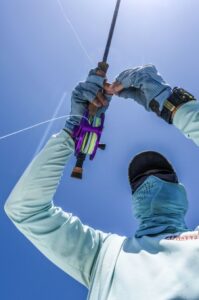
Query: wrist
{"points": [[69, 126], [69, 132], [171, 105]]}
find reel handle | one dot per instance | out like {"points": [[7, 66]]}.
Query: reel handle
{"points": [[78, 169]]}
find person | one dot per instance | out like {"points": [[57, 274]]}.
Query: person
{"points": [[161, 260]]}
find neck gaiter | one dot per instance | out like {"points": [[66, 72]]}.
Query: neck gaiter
{"points": [[160, 207]]}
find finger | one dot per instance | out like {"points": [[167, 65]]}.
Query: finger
{"points": [[116, 87], [96, 102], [108, 88], [92, 109], [102, 100]]}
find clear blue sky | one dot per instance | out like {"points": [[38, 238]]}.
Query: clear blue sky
{"points": [[40, 60]]}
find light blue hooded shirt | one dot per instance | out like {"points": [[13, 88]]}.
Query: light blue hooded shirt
{"points": [[151, 267]]}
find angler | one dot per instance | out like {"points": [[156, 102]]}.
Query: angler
{"points": [[161, 260]]}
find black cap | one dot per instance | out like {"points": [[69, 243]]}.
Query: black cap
{"points": [[149, 163]]}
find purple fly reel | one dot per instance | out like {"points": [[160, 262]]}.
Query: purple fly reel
{"points": [[84, 128]]}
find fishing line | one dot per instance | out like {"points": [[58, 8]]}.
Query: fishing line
{"points": [[67, 20], [39, 124]]}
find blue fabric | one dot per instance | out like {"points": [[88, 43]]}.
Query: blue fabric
{"points": [[143, 84], [160, 207], [83, 93]]}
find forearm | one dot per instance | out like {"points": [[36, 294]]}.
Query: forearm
{"points": [[59, 235], [35, 189], [186, 119]]}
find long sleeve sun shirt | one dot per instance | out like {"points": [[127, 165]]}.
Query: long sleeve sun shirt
{"points": [[164, 267]]}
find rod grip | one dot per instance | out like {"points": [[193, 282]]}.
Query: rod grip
{"points": [[103, 66], [92, 109]]}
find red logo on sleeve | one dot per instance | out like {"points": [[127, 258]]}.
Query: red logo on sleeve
{"points": [[184, 237]]}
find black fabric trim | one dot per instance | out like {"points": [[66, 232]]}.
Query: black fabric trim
{"points": [[176, 99]]}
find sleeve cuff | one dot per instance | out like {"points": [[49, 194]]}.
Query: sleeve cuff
{"points": [[96, 80], [180, 116]]}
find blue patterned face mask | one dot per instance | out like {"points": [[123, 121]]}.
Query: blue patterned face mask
{"points": [[160, 207]]}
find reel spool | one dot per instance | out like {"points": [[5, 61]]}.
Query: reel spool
{"points": [[87, 140]]}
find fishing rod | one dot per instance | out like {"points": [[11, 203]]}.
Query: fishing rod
{"points": [[88, 133]]}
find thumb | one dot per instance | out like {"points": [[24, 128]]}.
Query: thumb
{"points": [[114, 88]]}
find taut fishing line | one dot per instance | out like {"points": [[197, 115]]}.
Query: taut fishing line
{"points": [[67, 20], [78, 39], [39, 124], [74, 31]]}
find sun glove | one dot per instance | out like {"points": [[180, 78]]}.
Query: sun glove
{"points": [[82, 95], [144, 84]]}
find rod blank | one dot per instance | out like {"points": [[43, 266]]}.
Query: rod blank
{"points": [[110, 36]]}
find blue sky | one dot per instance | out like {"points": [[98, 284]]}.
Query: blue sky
{"points": [[40, 61]]}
